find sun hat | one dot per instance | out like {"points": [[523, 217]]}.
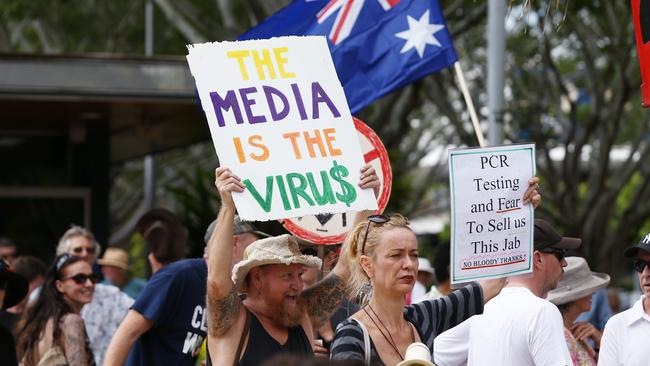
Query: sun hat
{"points": [[546, 237], [281, 249], [164, 233], [577, 282], [424, 265], [240, 227], [417, 354], [115, 257], [644, 244], [16, 285]]}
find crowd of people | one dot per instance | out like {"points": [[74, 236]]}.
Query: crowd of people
{"points": [[257, 299]]}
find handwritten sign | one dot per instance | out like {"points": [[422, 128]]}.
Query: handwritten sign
{"points": [[280, 121], [491, 228]]}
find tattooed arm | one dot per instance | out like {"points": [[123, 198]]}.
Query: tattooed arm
{"points": [[222, 300], [323, 298], [73, 334]]}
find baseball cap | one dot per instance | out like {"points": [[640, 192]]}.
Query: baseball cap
{"points": [[644, 244], [547, 237], [240, 227]]}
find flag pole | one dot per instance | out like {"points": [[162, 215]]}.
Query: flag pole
{"points": [[470, 104]]}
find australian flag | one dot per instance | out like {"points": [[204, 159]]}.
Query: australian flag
{"points": [[377, 45]]}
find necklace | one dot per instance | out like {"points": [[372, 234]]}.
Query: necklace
{"points": [[389, 339]]}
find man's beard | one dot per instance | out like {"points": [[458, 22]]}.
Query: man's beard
{"points": [[282, 313], [289, 316]]}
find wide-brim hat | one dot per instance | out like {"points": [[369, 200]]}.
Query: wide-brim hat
{"points": [[17, 285], [115, 257], [577, 282], [546, 237], [417, 354], [644, 244], [281, 249], [424, 265]]}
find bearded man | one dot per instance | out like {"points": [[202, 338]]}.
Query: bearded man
{"points": [[276, 316]]}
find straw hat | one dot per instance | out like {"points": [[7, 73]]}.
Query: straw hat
{"points": [[577, 282], [281, 249], [115, 257], [417, 354]]}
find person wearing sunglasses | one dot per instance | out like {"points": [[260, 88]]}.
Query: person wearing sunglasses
{"points": [[519, 326], [383, 257], [626, 335], [52, 332], [109, 306]]}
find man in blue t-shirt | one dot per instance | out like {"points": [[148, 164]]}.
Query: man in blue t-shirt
{"points": [[167, 323]]}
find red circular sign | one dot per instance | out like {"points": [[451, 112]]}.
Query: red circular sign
{"points": [[332, 228]]}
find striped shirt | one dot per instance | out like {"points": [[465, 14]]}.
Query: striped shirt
{"points": [[430, 318]]}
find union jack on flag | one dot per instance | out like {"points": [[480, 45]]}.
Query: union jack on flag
{"points": [[376, 45]]}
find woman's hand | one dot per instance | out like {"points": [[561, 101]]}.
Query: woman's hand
{"points": [[585, 330], [369, 179], [532, 193]]}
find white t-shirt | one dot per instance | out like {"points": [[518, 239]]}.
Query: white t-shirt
{"points": [[418, 293], [518, 328], [626, 339]]}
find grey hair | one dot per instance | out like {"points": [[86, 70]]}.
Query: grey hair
{"points": [[73, 231]]}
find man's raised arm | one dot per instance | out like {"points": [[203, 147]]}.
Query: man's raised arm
{"points": [[323, 298], [222, 301]]}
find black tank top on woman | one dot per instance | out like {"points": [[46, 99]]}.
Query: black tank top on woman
{"points": [[261, 346]]}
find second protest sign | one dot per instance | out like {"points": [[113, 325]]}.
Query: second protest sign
{"points": [[491, 228]]}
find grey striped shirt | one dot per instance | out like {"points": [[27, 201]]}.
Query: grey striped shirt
{"points": [[430, 318]]}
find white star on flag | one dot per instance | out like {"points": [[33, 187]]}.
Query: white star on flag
{"points": [[419, 34]]}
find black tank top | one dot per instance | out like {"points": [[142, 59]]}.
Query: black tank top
{"points": [[261, 346]]}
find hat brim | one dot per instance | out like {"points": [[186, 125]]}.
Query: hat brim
{"points": [[416, 363], [241, 269], [567, 294], [109, 262], [568, 243], [16, 290], [261, 234], [633, 252]]}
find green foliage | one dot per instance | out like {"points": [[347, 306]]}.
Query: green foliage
{"points": [[197, 205]]}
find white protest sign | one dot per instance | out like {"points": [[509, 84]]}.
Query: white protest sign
{"points": [[280, 121], [491, 228]]}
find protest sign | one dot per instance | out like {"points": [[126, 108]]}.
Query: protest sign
{"points": [[491, 228], [279, 120], [333, 228]]}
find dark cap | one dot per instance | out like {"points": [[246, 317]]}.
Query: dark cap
{"points": [[644, 244], [240, 227], [164, 233], [15, 285], [547, 237]]}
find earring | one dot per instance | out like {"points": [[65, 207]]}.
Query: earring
{"points": [[259, 292], [365, 293]]}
